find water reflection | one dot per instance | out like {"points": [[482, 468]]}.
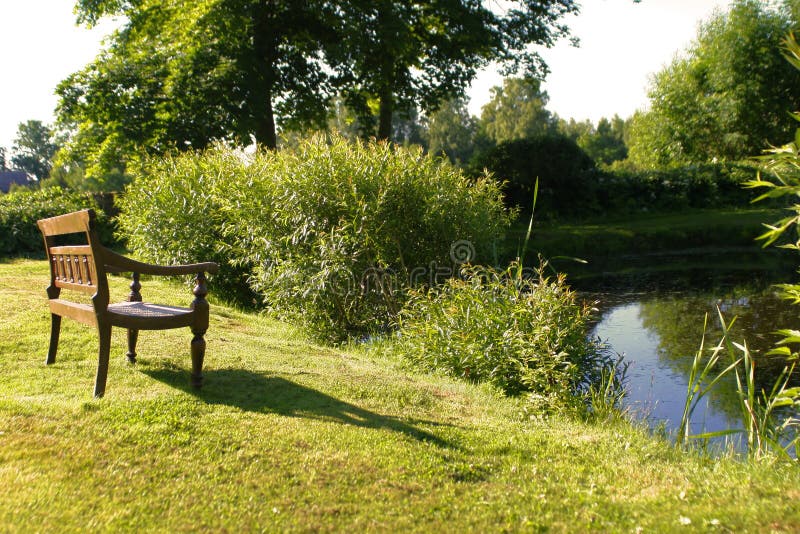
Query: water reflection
{"points": [[659, 329]]}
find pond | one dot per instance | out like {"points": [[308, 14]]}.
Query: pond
{"points": [[655, 318]]}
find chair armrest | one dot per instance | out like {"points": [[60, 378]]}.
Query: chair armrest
{"points": [[117, 263]]}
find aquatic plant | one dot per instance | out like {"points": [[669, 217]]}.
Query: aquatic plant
{"points": [[769, 421]]}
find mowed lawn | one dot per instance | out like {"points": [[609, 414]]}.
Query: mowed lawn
{"points": [[291, 436]]}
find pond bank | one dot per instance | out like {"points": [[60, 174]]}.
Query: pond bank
{"points": [[705, 239], [655, 277]]}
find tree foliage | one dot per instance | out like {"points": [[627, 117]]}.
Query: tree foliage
{"points": [[565, 174], [516, 111], [726, 98], [451, 132], [605, 143], [34, 148], [397, 53], [180, 75]]}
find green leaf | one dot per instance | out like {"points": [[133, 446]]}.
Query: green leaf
{"points": [[717, 433], [779, 351]]}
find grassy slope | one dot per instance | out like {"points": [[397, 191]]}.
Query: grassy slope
{"points": [[288, 436]]}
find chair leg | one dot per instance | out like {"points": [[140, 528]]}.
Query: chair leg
{"points": [[198, 354], [133, 336], [55, 331], [102, 363]]}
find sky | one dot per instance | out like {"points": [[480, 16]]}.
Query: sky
{"points": [[622, 44]]}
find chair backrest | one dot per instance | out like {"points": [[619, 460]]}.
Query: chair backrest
{"points": [[76, 265]]}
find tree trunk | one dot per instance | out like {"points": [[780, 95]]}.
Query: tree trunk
{"points": [[385, 116], [265, 125], [263, 75]]}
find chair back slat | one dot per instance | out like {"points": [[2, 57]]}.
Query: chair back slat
{"points": [[74, 268], [71, 223]]}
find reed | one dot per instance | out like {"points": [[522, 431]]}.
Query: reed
{"points": [[768, 425]]}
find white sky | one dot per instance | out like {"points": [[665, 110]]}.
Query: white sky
{"points": [[622, 43]]}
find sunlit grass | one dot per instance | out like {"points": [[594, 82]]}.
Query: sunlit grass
{"points": [[291, 436]]}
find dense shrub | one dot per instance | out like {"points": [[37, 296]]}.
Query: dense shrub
{"points": [[566, 174], [20, 209], [692, 186], [570, 186], [173, 213], [336, 231], [520, 334], [330, 233]]}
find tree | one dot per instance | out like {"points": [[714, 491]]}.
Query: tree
{"points": [[408, 128], [605, 144], [574, 129], [393, 54], [517, 111], [3, 166], [34, 148], [451, 131], [726, 98], [180, 75]]}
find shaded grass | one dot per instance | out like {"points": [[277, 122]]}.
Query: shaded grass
{"points": [[290, 436]]}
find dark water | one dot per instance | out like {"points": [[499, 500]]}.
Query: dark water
{"points": [[657, 322]]}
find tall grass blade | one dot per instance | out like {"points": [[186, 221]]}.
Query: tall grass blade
{"points": [[698, 386], [521, 263]]}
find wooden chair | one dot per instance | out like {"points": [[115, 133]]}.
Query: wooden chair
{"points": [[83, 267]]}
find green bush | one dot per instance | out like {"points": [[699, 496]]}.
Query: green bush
{"points": [[570, 186], [337, 231], [329, 234], [172, 213], [692, 186], [566, 174], [20, 209], [519, 334]]}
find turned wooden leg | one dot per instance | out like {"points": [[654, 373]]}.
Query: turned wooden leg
{"points": [[133, 336], [55, 331], [198, 354], [200, 307], [102, 363]]}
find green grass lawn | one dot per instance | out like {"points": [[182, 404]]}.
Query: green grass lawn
{"points": [[290, 436]]}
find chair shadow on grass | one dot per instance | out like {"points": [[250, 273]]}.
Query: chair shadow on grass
{"points": [[261, 393]]}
